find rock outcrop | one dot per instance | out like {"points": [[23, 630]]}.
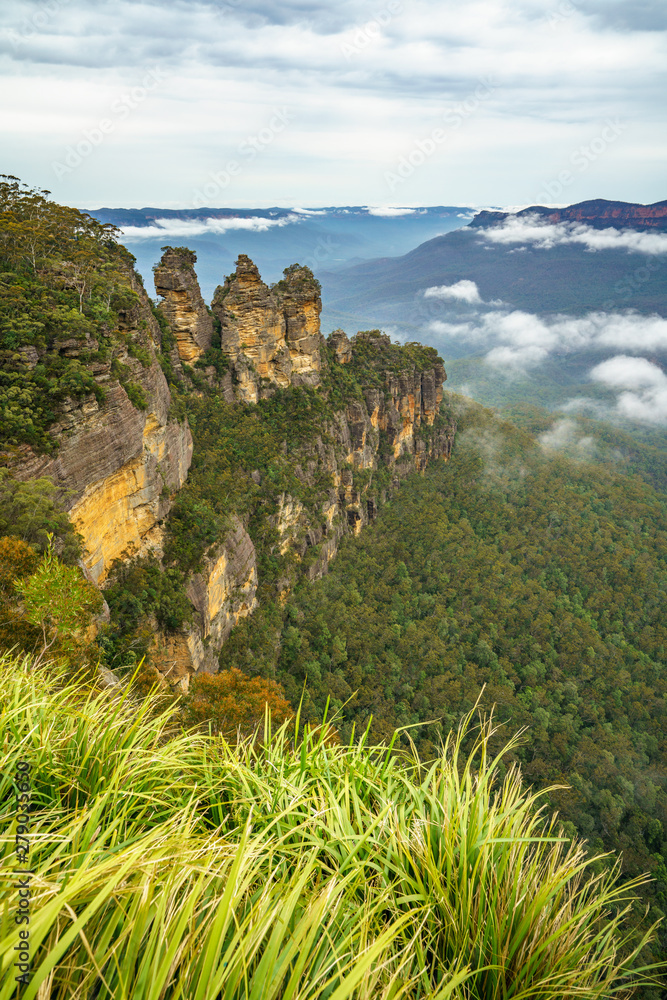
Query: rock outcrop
{"points": [[341, 346], [122, 459], [597, 213], [221, 593], [362, 448], [272, 336], [183, 305], [118, 464]]}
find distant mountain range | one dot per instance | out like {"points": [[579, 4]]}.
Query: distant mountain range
{"points": [[598, 213], [555, 307], [523, 305], [321, 238], [571, 260]]}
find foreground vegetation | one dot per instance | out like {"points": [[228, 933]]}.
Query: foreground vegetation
{"points": [[170, 864]]}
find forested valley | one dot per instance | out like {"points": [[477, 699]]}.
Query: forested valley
{"points": [[510, 582]]}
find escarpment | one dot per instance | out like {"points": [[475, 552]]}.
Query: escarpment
{"points": [[373, 442], [121, 455], [375, 416], [222, 592], [298, 441], [598, 213]]}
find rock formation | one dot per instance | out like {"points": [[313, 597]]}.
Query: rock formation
{"points": [[183, 305], [270, 334], [122, 459], [341, 346], [118, 465], [397, 427], [272, 338]]}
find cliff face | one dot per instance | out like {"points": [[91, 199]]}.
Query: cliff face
{"points": [[183, 305], [597, 213], [269, 334], [86, 401], [379, 419], [121, 460], [221, 594], [366, 447], [118, 465]]}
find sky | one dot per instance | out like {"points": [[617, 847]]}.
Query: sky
{"points": [[182, 104]]}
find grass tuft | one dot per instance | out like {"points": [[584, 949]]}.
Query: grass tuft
{"points": [[171, 865]]}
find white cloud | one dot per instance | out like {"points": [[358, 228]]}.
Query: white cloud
{"points": [[625, 371], [545, 235], [186, 227], [463, 291], [309, 211], [643, 386], [388, 212], [520, 340], [565, 436]]}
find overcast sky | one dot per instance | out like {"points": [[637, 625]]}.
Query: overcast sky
{"points": [[307, 103]]}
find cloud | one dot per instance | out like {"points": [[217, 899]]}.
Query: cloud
{"points": [[531, 229], [501, 469], [463, 291], [519, 340], [624, 371], [407, 70], [642, 15], [310, 211], [643, 384], [565, 436], [185, 227], [389, 212]]}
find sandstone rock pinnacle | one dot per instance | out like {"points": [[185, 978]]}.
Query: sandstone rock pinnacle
{"points": [[183, 304]]}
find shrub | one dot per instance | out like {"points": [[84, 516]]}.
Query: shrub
{"points": [[234, 704]]}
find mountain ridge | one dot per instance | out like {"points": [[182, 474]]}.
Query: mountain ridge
{"points": [[517, 271], [595, 212]]}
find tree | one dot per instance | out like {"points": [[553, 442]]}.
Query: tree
{"points": [[60, 602], [234, 704], [32, 512], [17, 560]]}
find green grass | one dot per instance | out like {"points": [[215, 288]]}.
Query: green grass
{"points": [[174, 865]]}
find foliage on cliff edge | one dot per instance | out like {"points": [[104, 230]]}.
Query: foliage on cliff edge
{"points": [[63, 280]]}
